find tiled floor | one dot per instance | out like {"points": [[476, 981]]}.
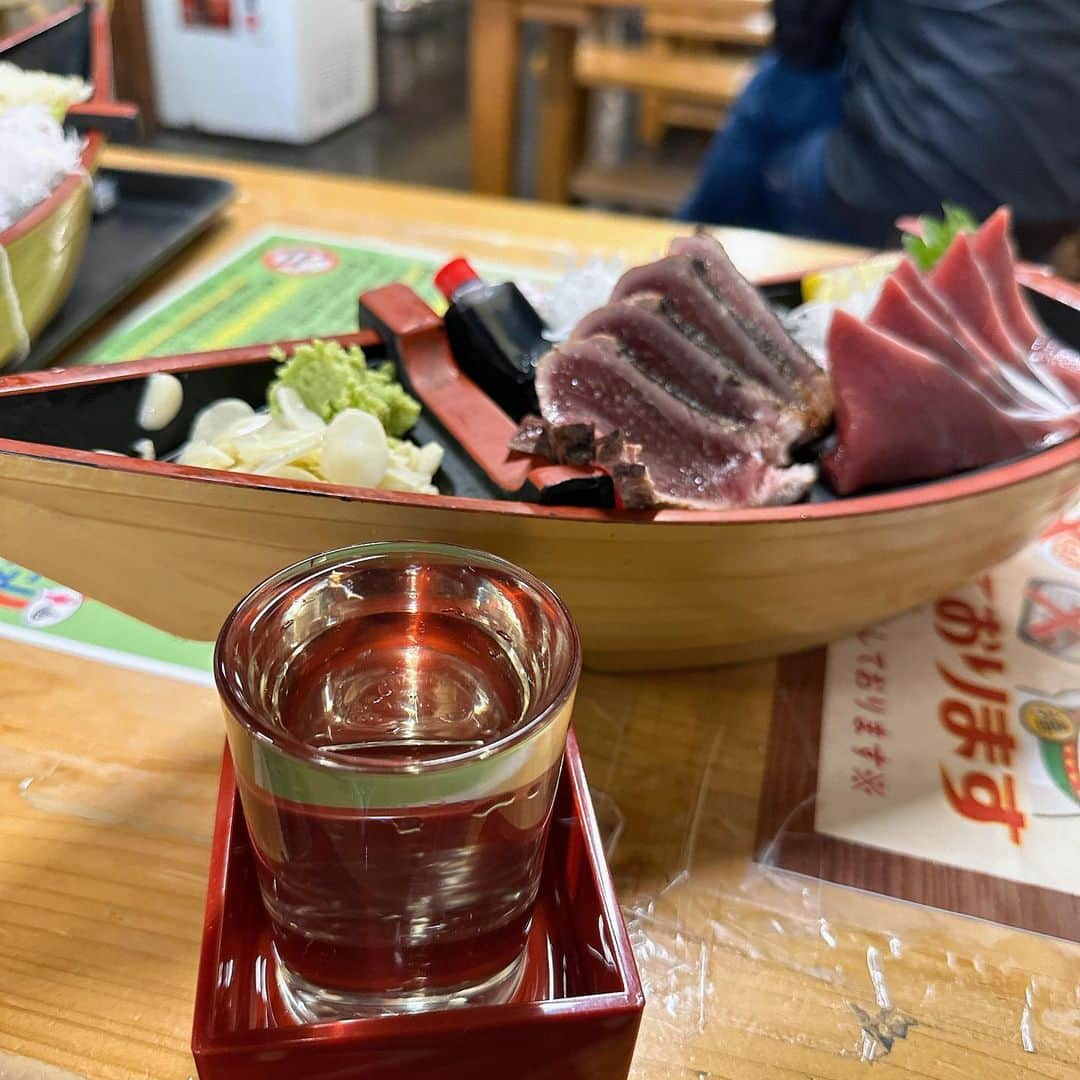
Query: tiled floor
{"points": [[418, 134]]}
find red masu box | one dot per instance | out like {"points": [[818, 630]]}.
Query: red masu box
{"points": [[576, 1014]]}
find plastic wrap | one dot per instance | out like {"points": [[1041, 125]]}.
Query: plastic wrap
{"points": [[745, 963]]}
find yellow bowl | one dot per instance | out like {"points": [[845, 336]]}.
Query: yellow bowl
{"points": [[43, 251]]}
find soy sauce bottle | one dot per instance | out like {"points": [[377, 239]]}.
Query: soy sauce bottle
{"points": [[496, 336]]}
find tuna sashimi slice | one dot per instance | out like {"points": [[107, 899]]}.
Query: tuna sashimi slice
{"points": [[961, 283], [916, 285], [913, 280], [898, 313], [692, 460], [1027, 387], [744, 300], [704, 380], [885, 389], [992, 247]]}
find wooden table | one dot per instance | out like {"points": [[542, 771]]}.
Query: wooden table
{"points": [[108, 781], [495, 65]]}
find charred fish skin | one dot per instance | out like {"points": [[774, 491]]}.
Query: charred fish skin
{"points": [[679, 364], [714, 268], [694, 305], [692, 459], [533, 437]]}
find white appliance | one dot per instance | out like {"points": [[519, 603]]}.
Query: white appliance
{"points": [[289, 70]]}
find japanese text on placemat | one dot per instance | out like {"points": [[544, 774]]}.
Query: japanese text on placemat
{"points": [[976, 711], [869, 707]]}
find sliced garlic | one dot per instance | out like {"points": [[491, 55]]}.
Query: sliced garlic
{"points": [[273, 444], [354, 450], [289, 472], [214, 420], [204, 455], [429, 459], [293, 413], [161, 401]]}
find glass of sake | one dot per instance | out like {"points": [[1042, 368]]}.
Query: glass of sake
{"points": [[397, 715]]}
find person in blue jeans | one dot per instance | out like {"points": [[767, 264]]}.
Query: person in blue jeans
{"points": [[866, 110]]}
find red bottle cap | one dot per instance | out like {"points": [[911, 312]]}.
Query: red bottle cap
{"points": [[453, 275]]}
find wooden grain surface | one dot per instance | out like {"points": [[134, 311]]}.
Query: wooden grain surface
{"points": [[494, 228], [678, 590], [493, 99], [714, 78], [107, 781]]}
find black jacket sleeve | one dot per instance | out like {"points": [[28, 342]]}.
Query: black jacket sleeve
{"points": [[809, 33]]}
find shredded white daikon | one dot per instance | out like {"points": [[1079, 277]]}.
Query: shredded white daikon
{"points": [[809, 323], [35, 155], [583, 289]]}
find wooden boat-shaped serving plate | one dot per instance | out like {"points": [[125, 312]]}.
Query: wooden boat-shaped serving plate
{"points": [[178, 546]]}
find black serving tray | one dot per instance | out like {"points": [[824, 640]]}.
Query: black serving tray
{"points": [[99, 412], [154, 217]]}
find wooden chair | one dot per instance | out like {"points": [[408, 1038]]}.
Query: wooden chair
{"points": [[730, 34], [689, 75], [694, 61]]}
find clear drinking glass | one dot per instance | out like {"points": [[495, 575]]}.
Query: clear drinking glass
{"points": [[397, 715]]}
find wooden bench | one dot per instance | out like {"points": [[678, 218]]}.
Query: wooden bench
{"points": [[692, 76], [736, 28], [747, 25]]}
